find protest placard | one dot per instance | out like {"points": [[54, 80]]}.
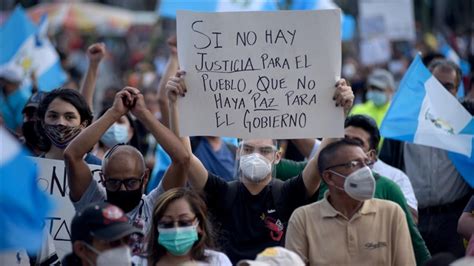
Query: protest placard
{"points": [[260, 74], [52, 179], [398, 16]]}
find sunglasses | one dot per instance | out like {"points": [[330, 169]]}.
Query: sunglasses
{"points": [[179, 223]]}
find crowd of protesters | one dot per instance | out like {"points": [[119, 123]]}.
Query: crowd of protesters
{"points": [[169, 200]]}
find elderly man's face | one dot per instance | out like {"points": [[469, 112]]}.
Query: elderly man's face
{"points": [[347, 160], [123, 172], [447, 77]]}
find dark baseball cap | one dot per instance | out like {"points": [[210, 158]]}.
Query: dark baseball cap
{"points": [[102, 221], [34, 101]]}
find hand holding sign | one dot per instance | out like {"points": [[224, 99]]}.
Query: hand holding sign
{"points": [[176, 87], [343, 95]]}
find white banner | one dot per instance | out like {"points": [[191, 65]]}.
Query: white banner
{"points": [[260, 74], [52, 179]]}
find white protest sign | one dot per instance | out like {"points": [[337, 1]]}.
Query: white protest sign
{"points": [[260, 74], [398, 17], [375, 50], [52, 179]]}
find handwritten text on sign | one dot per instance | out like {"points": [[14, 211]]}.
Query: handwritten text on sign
{"points": [[52, 180], [260, 74]]}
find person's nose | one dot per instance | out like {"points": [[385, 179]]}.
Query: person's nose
{"points": [[122, 187], [61, 121]]}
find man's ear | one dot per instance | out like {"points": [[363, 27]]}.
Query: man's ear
{"points": [[277, 157], [327, 177], [79, 249], [372, 155]]}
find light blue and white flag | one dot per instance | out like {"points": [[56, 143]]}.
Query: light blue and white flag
{"points": [[23, 206], [27, 45], [424, 112], [168, 8]]}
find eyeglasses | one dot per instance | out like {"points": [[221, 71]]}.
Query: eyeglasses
{"points": [[354, 164], [448, 86], [265, 150], [114, 184], [179, 223]]}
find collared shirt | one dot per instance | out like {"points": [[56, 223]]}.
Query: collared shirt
{"points": [[377, 234], [433, 176], [399, 177]]}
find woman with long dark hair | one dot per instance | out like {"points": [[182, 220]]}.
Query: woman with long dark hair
{"points": [[181, 231]]}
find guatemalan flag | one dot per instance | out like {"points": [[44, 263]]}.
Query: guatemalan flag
{"points": [[27, 45], [23, 206], [424, 112]]}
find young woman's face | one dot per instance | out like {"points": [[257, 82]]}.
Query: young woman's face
{"points": [[60, 112]]}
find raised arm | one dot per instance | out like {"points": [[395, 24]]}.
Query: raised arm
{"points": [[79, 175], [197, 172], [95, 53], [176, 174], [344, 97], [171, 69]]}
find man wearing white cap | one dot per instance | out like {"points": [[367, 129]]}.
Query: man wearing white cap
{"points": [[12, 99], [380, 88]]}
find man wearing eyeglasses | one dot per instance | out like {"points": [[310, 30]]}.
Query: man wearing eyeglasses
{"points": [[252, 212], [349, 227], [124, 174], [101, 235], [441, 191]]}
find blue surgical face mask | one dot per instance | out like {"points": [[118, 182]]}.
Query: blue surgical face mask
{"points": [[178, 240], [116, 134], [379, 98]]}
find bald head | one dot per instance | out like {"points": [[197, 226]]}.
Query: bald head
{"points": [[123, 161]]}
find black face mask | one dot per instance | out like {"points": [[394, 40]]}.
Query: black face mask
{"points": [[125, 200]]}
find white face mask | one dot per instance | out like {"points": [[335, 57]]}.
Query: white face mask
{"points": [[116, 134], [360, 185], [120, 256], [255, 167]]}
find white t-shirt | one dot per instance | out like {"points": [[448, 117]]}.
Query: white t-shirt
{"points": [[216, 258], [399, 177]]}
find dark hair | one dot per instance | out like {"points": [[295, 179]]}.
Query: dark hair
{"points": [[446, 64], [327, 154], [368, 124], [69, 95], [198, 206]]}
